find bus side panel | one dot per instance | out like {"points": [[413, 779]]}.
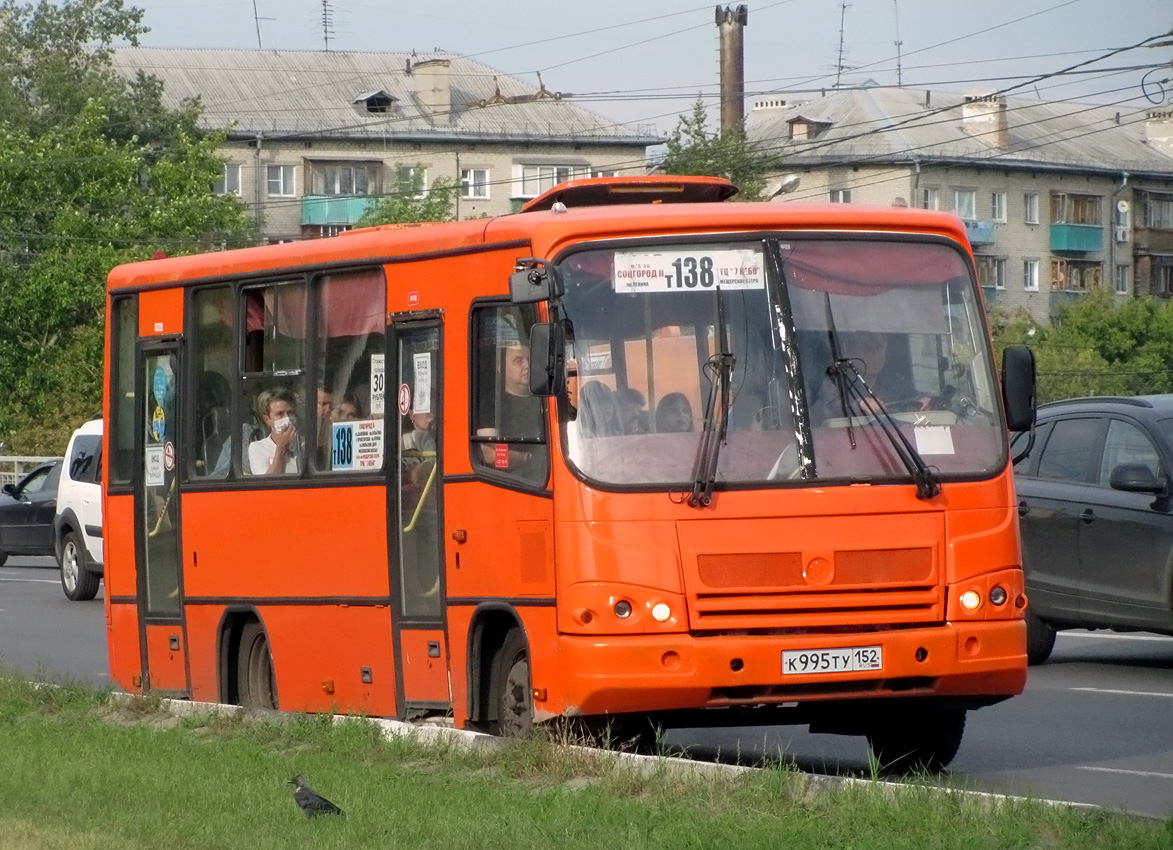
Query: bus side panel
{"points": [[546, 663], [310, 544], [118, 540], [203, 622], [122, 631], [508, 549], [321, 654], [160, 312], [165, 657]]}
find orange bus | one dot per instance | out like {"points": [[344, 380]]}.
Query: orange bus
{"points": [[632, 455]]}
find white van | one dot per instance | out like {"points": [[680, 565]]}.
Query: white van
{"points": [[77, 528]]}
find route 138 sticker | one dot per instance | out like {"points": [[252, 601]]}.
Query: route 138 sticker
{"points": [[688, 269]]}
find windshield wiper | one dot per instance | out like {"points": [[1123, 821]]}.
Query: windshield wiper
{"points": [[852, 387], [720, 369]]}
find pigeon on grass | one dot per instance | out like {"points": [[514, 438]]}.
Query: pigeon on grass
{"points": [[310, 801]]}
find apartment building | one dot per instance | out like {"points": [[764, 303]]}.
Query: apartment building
{"points": [[1056, 197], [316, 137]]}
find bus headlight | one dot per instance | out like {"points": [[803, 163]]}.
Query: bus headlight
{"points": [[661, 612], [970, 600]]}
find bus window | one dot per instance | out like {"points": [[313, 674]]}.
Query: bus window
{"points": [[350, 358], [124, 320], [214, 340], [273, 438], [508, 426]]}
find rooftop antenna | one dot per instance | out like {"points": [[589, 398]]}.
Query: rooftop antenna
{"points": [[899, 44], [327, 23], [842, 20]]}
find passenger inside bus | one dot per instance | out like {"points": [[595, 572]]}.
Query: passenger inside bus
{"points": [[347, 409], [632, 415], [674, 414], [598, 410], [277, 453]]}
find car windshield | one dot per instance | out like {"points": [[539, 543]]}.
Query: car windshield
{"points": [[742, 362]]}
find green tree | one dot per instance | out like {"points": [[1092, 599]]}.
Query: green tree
{"points": [[411, 204], [1095, 346], [692, 149], [94, 171]]}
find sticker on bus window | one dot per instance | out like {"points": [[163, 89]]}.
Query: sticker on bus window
{"points": [[155, 475], [421, 401], [357, 445], [934, 439], [378, 384], [688, 270]]}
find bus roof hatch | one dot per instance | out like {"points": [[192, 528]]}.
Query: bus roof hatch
{"points": [[645, 189]]}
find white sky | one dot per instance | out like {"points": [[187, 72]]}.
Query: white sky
{"points": [[645, 62]]}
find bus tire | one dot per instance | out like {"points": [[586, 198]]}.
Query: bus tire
{"points": [[256, 678], [512, 695], [1040, 638], [924, 740], [78, 583]]}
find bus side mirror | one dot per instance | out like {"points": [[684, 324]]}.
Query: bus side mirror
{"points": [[547, 359], [1018, 387], [534, 280]]}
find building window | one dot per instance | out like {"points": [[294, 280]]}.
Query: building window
{"points": [[344, 178], [411, 180], [532, 180], [1162, 278], [841, 196], [928, 199], [1160, 212], [1030, 275], [474, 183], [998, 206], [965, 204], [1030, 208], [992, 272], [1075, 209], [1076, 276], [281, 183], [605, 172], [1122, 280], [229, 182]]}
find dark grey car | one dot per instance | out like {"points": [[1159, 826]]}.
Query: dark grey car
{"points": [[26, 512], [1096, 515]]}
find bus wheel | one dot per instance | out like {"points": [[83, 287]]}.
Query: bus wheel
{"points": [[1040, 639], [78, 583], [924, 740], [511, 689], [257, 683]]}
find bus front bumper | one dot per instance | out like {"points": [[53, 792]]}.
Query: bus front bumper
{"points": [[974, 663]]}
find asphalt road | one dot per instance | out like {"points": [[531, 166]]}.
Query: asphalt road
{"points": [[1092, 727]]}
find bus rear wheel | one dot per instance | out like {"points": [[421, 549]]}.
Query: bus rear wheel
{"points": [[512, 697], [924, 740], [256, 679]]}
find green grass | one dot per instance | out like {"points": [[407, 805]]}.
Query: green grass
{"points": [[84, 771]]}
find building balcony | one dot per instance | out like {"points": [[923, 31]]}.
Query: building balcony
{"points": [[1060, 297], [1077, 237], [1152, 239], [990, 295], [979, 232], [323, 210]]}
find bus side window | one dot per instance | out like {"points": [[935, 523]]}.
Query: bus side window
{"points": [[509, 432], [349, 401], [214, 340]]}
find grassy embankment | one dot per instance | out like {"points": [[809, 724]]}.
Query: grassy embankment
{"points": [[80, 770]]}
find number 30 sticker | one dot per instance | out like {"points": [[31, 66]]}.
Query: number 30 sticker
{"points": [[405, 399]]}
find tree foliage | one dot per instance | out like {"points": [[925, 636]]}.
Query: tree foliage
{"points": [[413, 204], [692, 149], [94, 171], [1096, 347]]}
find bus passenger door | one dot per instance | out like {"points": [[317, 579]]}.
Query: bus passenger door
{"points": [[415, 478], [157, 541]]}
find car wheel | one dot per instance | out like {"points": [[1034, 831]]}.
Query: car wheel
{"points": [[1040, 639], [78, 583], [917, 740]]}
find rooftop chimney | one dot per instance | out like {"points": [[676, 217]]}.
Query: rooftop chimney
{"points": [[432, 88], [985, 118], [731, 23]]}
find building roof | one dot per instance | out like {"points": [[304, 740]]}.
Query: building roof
{"points": [[361, 95], [904, 126]]}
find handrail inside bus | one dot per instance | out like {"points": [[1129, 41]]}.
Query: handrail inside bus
{"points": [[427, 489]]}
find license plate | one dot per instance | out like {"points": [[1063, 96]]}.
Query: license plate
{"points": [[849, 659]]}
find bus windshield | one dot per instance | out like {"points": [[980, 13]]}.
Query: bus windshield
{"points": [[778, 360]]}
